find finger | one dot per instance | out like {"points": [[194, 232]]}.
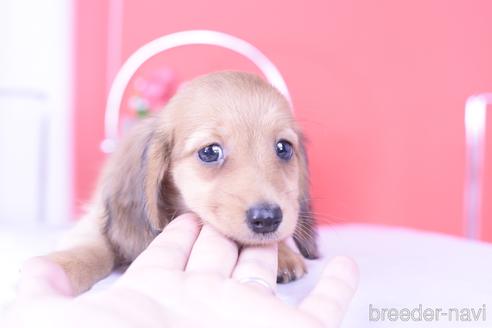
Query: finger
{"points": [[330, 298], [213, 253], [170, 250], [258, 263], [41, 277]]}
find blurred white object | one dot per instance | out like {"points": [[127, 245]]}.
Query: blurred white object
{"points": [[475, 123], [35, 59], [170, 41], [23, 146]]}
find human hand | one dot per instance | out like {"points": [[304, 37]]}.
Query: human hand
{"points": [[189, 277]]}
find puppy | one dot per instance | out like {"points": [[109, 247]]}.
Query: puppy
{"points": [[225, 147]]}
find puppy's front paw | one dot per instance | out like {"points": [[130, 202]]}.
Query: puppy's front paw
{"points": [[290, 265]]}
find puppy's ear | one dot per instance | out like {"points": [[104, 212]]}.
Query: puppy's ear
{"points": [[305, 234], [157, 161], [132, 188]]}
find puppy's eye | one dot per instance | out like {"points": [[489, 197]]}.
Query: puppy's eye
{"points": [[284, 150], [211, 153]]}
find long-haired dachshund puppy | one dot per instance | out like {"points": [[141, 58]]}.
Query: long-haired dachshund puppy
{"points": [[225, 147]]}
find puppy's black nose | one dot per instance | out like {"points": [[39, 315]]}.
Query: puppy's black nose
{"points": [[264, 218]]}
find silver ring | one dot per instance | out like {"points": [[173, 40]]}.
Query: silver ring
{"points": [[257, 281]]}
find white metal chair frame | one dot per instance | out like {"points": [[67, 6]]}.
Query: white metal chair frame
{"points": [[475, 120], [170, 41]]}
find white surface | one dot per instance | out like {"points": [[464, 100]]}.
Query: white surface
{"points": [[399, 268]]}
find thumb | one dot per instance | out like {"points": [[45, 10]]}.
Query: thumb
{"points": [[329, 300]]}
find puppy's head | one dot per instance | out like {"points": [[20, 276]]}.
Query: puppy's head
{"points": [[236, 157]]}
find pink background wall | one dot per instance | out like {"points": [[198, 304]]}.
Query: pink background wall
{"points": [[379, 87]]}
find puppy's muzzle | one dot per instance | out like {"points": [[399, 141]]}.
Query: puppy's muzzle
{"points": [[264, 218]]}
